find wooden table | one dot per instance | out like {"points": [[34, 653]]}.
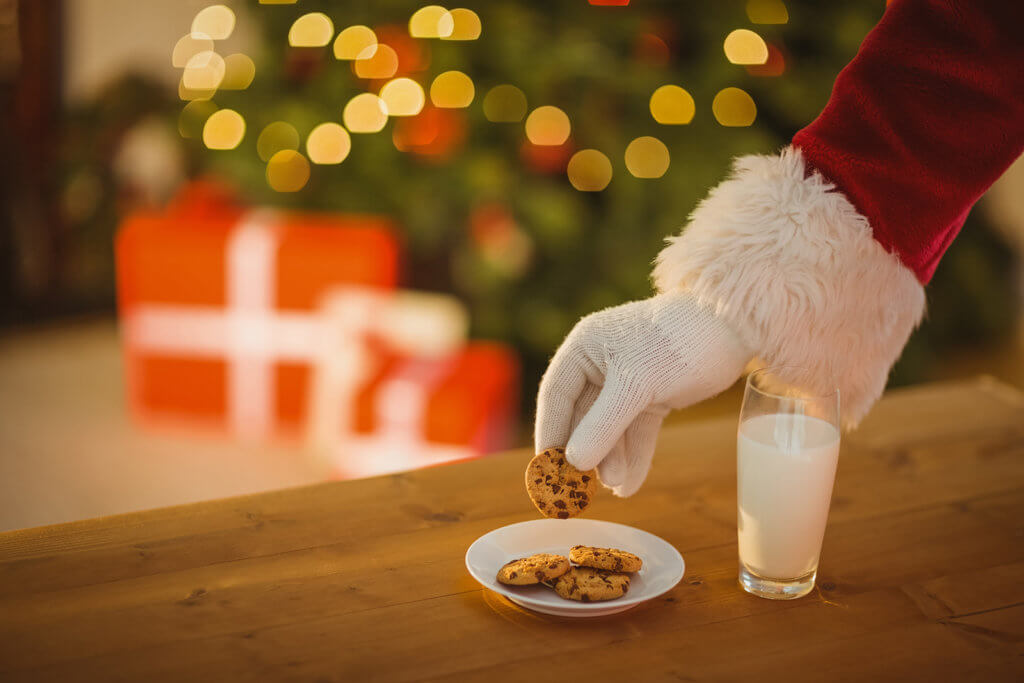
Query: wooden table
{"points": [[922, 574]]}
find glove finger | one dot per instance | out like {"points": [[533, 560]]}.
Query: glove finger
{"points": [[612, 470], [604, 424], [587, 397], [640, 440], [560, 388]]}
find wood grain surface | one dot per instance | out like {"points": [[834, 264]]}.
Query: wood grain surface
{"points": [[922, 573]]}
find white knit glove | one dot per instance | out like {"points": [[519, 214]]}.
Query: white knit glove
{"points": [[620, 371]]}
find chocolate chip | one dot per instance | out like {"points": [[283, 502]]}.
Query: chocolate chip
{"points": [[547, 477], [537, 480], [584, 598], [539, 574], [555, 488], [560, 504], [553, 565], [512, 575], [563, 515], [572, 483], [582, 504], [585, 478]]}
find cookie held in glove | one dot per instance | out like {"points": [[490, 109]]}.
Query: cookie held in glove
{"points": [[539, 568], [557, 488]]}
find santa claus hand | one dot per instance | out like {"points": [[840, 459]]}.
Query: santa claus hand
{"points": [[618, 374]]}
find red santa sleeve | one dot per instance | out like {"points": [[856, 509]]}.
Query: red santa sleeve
{"points": [[818, 256]]}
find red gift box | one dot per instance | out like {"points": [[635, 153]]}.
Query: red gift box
{"points": [[218, 306]]}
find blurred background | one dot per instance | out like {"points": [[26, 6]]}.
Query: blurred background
{"points": [[451, 190]]}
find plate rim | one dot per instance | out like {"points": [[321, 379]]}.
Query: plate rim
{"points": [[578, 607]]}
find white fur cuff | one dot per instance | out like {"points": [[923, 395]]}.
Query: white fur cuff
{"points": [[794, 268]]}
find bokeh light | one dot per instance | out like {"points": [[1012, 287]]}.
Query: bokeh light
{"points": [[452, 90], [505, 103], [278, 2], [647, 157], [365, 113], [733, 107], [311, 30], [287, 171], [465, 25], [380, 63], [403, 97], [432, 21], [192, 95], [651, 49], [775, 66], [328, 143], [672, 105], [216, 21], [223, 129], [767, 12], [204, 71], [743, 46], [275, 137], [239, 71], [547, 125], [188, 46], [354, 41], [193, 116], [589, 170]]}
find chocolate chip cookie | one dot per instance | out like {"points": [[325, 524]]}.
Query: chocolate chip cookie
{"points": [[557, 488], [591, 585], [533, 569], [612, 559]]}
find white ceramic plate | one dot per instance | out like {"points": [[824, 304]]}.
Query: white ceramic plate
{"points": [[662, 569]]}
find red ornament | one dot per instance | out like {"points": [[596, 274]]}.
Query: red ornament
{"points": [[775, 66], [547, 158], [435, 133], [609, 3], [413, 55], [651, 49]]}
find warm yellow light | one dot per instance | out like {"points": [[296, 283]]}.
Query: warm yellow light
{"points": [[672, 105], [381, 62], [238, 72], [354, 41], [589, 170], [743, 46], [547, 126], [224, 129], [204, 71], [505, 103], [275, 137], [403, 97], [216, 21], [432, 21], [192, 95], [466, 25], [647, 157], [188, 46], [328, 143], [734, 108], [311, 30], [278, 2], [287, 171], [365, 113], [193, 116], [767, 12], [452, 90]]}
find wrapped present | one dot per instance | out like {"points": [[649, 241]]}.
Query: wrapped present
{"points": [[416, 412], [220, 306]]}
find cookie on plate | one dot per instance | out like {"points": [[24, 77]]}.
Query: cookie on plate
{"points": [[557, 488], [612, 559], [533, 569], [591, 585]]}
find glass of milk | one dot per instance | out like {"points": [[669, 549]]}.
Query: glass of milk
{"points": [[786, 454]]}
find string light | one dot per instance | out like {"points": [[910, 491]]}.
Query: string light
{"points": [[223, 129], [365, 113], [354, 42], [204, 71], [733, 107], [193, 116], [465, 25], [672, 105], [547, 125], [403, 97], [188, 46], [432, 21], [743, 46], [275, 137], [379, 64], [328, 143], [311, 30], [505, 103], [647, 157], [216, 21], [589, 170], [452, 90], [767, 12], [287, 171], [239, 71]]}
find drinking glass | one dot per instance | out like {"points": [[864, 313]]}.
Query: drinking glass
{"points": [[787, 448]]}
